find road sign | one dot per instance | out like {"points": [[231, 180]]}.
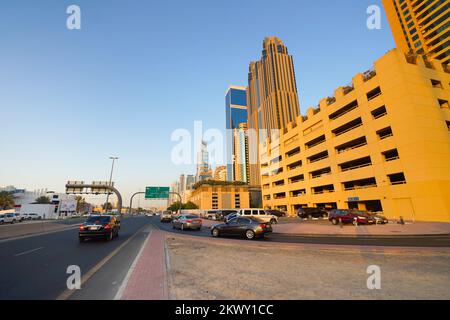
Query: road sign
{"points": [[157, 193]]}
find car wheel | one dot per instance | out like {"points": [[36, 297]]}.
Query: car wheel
{"points": [[215, 233], [250, 234], [334, 221], [273, 221]]}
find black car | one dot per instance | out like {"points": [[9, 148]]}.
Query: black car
{"points": [[309, 213], [101, 226], [247, 227], [221, 215], [277, 213]]}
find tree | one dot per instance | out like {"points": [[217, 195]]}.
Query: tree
{"points": [[186, 206], [6, 200], [79, 200], [43, 200], [190, 206]]}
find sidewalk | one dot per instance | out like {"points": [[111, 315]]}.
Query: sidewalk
{"points": [[147, 279], [8, 231], [322, 227]]}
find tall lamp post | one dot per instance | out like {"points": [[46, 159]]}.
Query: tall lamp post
{"points": [[110, 181]]}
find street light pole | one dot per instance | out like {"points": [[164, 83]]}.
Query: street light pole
{"points": [[110, 181]]}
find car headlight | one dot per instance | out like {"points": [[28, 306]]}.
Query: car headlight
{"points": [[362, 218]]}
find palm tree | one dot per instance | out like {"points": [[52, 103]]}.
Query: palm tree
{"points": [[6, 200], [43, 200], [80, 200]]}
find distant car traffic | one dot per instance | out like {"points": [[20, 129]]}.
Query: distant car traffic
{"points": [[379, 218], [309, 213], [99, 226], [8, 218], [211, 214], [31, 216], [166, 216], [277, 213], [261, 214], [221, 215], [19, 217], [248, 227], [346, 216], [187, 221]]}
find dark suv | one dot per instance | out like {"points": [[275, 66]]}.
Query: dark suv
{"points": [[309, 213]]}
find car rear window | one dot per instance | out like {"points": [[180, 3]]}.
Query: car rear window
{"points": [[191, 217], [98, 219]]}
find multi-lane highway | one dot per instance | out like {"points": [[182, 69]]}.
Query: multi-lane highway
{"points": [[34, 267]]}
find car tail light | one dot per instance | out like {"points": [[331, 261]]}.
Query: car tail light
{"points": [[81, 227], [263, 225], [189, 221], [107, 227]]}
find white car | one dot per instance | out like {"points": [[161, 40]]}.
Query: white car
{"points": [[8, 218], [261, 214]]}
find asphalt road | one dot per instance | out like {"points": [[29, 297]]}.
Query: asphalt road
{"points": [[389, 241], [35, 267]]}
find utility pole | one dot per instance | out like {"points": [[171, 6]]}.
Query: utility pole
{"points": [[110, 181]]}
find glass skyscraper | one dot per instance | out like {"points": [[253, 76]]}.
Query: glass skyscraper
{"points": [[236, 114]]}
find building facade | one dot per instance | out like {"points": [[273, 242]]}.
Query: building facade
{"points": [[204, 171], [241, 165], [220, 173], [236, 114], [208, 197], [421, 27], [271, 96], [381, 144]]}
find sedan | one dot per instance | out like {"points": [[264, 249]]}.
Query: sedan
{"points": [[350, 216], [250, 228], [185, 222], [102, 226]]}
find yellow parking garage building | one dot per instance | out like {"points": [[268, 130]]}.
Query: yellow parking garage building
{"points": [[382, 143]]}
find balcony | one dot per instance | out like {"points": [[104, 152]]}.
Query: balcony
{"points": [[323, 189], [379, 112], [278, 196], [278, 183], [297, 179], [295, 165], [355, 164], [443, 104], [391, 155], [293, 152], [354, 144], [347, 127], [317, 157], [374, 93], [397, 178], [315, 142], [385, 133], [320, 173], [369, 75], [298, 193], [359, 184], [344, 110]]}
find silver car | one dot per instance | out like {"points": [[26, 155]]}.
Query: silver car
{"points": [[185, 222]]}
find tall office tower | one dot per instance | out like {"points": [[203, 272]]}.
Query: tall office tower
{"points": [[421, 26], [236, 114], [203, 170], [271, 97], [220, 174], [241, 163], [182, 184], [190, 181]]}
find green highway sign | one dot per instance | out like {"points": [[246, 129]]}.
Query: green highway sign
{"points": [[155, 193]]}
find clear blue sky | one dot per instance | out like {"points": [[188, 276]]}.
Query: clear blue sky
{"points": [[137, 70]]}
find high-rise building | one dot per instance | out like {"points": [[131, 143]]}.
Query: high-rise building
{"points": [[236, 114], [220, 173], [203, 170], [421, 26], [241, 154], [379, 144], [271, 97], [190, 181]]}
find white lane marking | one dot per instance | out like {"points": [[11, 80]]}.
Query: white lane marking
{"points": [[130, 271], [29, 251]]}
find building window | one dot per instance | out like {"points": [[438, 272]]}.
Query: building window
{"points": [[295, 165], [347, 127], [443, 104], [296, 179], [385, 133], [237, 201], [323, 189], [374, 93], [317, 157], [397, 178], [320, 173], [379, 112], [391, 155], [298, 193], [360, 184], [293, 152], [215, 201], [436, 84], [448, 125], [355, 164], [315, 142], [362, 141], [346, 109]]}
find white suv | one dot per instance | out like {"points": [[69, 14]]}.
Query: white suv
{"points": [[260, 214], [8, 218]]}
